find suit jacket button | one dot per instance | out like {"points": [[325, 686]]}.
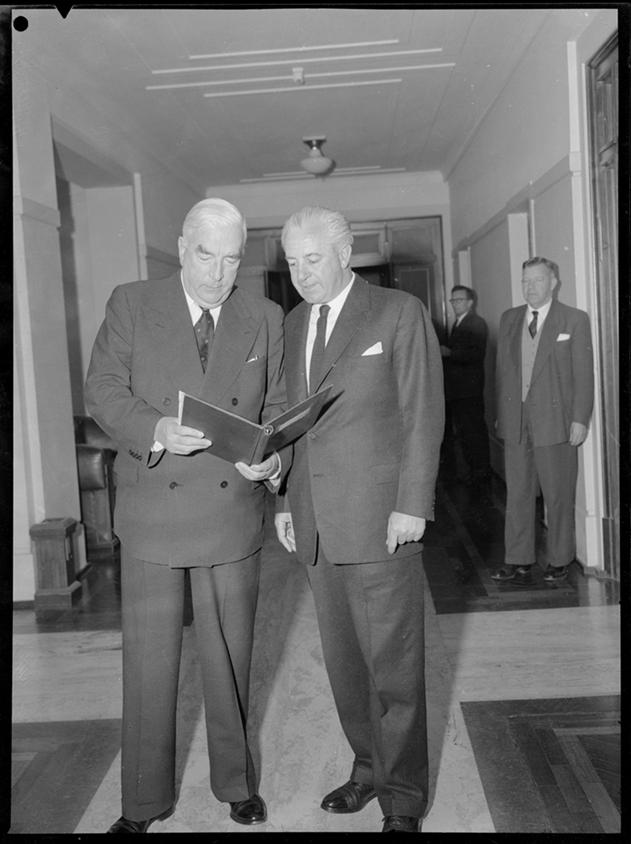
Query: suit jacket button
{"points": [[173, 484], [312, 436], [223, 484], [166, 401], [235, 401]]}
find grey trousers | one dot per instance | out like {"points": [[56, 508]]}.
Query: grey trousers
{"points": [[554, 469], [371, 623], [224, 605]]}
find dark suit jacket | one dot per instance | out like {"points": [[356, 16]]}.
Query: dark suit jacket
{"points": [[464, 368], [375, 448], [174, 509], [562, 385]]}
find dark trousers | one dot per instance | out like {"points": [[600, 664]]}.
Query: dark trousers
{"points": [[224, 605], [371, 625], [465, 426], [554, 469]]}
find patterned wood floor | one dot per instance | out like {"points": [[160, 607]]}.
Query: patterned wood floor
{"points": [[549, 766]]}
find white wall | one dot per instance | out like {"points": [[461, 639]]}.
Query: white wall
{"points": [[45, 480], [359, 198]]}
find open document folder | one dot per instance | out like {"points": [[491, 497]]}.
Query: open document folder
{"points": [[240, 441]]}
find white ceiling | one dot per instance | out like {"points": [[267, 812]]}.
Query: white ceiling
{"points": [[391, 89]]}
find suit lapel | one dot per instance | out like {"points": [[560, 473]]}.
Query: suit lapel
{"points": [[515, 342], [295, 368], [235, 333], [172, 328], [455, 328], [352, 316], [547, 340]]}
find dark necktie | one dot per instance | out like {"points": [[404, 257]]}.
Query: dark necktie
{"points": [[317, 352], [533, 325], [204, 332]]}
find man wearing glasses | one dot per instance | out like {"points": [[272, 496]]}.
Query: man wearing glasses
{"points": [[463, 366]]}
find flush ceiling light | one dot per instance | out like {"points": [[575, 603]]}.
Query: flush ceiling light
{"points": [[316, 163]]}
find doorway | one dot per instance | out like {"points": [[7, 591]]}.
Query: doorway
{"points": [[603, 137]]}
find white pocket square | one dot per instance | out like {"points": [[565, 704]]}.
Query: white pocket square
{"points": [[563, 337], [251, 360], [377, 349]]}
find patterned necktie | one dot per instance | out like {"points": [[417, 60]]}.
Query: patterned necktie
{"points": [[532, 328], [204, 332], [317, 352]]}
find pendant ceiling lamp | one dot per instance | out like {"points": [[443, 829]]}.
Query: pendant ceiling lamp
{"points": [[316, 163]]}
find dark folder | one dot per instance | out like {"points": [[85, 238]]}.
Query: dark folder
{"points": [[239, 440]]}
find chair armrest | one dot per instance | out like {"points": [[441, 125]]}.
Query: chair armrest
{"points": [[93, 464]]}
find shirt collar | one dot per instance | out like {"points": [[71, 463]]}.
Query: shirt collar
{"points": [[336, 304], [194, 309], [542, 312]]}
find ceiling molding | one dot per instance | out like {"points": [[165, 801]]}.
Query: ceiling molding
{"points": [[301, 88], [296, 49], [303, 77], [350, 57]]}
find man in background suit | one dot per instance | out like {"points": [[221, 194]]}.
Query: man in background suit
{"points": [[359, 493], [545, 378], [181, 510], [463, 364]]}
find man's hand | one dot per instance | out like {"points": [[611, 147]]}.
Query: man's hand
{"points": [[179, 439], [578, 433], [402, 529], [445, 351], [260, 471], [285, 531]]}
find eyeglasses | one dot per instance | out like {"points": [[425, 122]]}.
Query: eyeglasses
{"points": [[459, 300]]}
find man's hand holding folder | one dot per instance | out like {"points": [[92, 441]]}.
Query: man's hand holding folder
{"points": [[241, 441]]}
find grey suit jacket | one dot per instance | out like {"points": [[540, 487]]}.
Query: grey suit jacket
{"points": [[375, 448], [174, 509], [562, 385]]}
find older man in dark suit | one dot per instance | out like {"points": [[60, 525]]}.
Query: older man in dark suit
{"points": [[180, 510], [545, 380], [463, 362], [358, 496]]}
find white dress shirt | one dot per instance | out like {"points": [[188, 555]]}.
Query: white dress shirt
{"points": [[542, 313], [336, 306]]}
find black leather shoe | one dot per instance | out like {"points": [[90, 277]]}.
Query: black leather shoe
{"points": [[555, 573], [519, 575], [125, 825], [250, 811], [401, 823], [348, 798]]}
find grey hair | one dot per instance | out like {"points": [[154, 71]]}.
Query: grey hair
{"points": [[334, 224], [214, 211], [535, 262]]}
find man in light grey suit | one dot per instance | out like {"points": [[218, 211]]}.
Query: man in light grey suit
{"points": [[359, 493], [183, 512], [545, 379]]}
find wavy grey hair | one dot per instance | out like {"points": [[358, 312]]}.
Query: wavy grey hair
{"points": [[335, 225], [217, 211]]}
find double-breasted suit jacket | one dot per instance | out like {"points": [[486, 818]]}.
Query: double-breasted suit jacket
{"points": [[375, 447], [562, 384], [173, 509]]}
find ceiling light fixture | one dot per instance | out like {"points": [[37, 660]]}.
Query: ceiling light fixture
{"points": [[316, 164]]}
